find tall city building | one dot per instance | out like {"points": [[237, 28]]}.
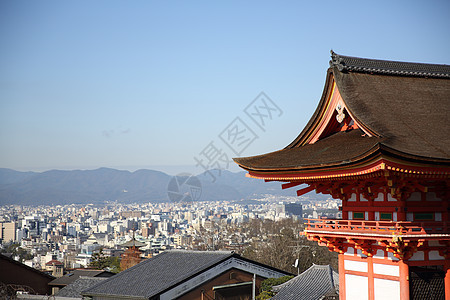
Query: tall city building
{"points": [[8, 232]]}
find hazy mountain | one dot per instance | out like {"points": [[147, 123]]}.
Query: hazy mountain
{"points": [[8, 176], [97, 186]]}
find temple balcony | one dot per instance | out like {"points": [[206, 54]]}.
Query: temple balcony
{"points": [[402, 239], [377, 230]]}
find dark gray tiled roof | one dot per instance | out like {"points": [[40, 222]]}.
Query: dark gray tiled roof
{"points": [[376, 66], [310, 285], [71, 276], [82, 283], [392, 108], [155, 275], [133, 243]]}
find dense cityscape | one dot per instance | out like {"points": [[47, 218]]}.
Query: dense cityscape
{"points": [[71, 234]]}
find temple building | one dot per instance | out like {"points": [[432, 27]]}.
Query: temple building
{"points": [[379, 140], [132, 255]]}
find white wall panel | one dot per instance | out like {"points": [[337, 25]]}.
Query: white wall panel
{"points": [[380, 197], [409, 217], [356, 287], [434, 255], [391, 256], [390, 198], [416, 196], [431, 196], [379, 254], [438, 216], [419, 255], [386, 289], [350, 251], [360, 266], [386, 269]]}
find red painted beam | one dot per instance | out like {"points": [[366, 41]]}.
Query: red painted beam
{"points": [[290, 184], [305, 190]]}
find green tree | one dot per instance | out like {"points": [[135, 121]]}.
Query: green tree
{"points": [[266, 286], [113, 264], [100, 261], [279, 244], [16, 250]]}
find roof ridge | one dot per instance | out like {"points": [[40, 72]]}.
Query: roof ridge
{"points": [[199, 251], [388, 67]]}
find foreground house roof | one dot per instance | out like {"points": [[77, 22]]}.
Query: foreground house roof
{"points": [[74, 289], [315, 283], [370, 110], [73, 275], [19, 274], [173, 273]]}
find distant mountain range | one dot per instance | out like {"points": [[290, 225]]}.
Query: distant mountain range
{"points": [[104, 184]]}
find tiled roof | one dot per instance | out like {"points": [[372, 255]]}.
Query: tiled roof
{"points": [[340, 148], [133, 243], [75, 288], [54, 262], [314, 283], [71, 276], [24, 266], [157, 274], [408, 116], [376, 66], [412, 113]]}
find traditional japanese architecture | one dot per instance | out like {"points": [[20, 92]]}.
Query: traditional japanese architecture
{"points": [[187, 275], [132, 255], [379, 140]]}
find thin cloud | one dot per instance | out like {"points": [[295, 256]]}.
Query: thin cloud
{"points": [[111, 132]]}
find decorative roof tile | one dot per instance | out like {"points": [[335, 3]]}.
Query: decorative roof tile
{"points": [[314, 283], [375, 66]]}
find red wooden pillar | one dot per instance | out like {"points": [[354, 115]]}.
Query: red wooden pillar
{"points": [[404, 280], [344, 215], [401, 213], [341, 277], [370, 278], [344, 210], [447, 278]]}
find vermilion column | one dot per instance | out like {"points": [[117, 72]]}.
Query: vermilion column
{"points": [[447, 279], [341, 277], [370, 278], [404, 280]]}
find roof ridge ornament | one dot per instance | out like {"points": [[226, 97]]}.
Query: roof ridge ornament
{"points": [[388, 67], [337, 60]]}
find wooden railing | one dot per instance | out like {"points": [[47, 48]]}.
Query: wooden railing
{"points": [[382, 227]]}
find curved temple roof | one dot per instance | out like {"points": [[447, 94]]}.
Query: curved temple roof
{"points": [[400, 109]]}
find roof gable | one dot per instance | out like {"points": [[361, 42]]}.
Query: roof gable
{"points": [[167, 271], [332, 115], [398, 111]]}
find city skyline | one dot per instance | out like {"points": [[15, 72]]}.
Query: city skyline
{"points": [[150, 85]]}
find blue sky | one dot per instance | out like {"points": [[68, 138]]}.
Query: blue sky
{"points": [[147, 84]]}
